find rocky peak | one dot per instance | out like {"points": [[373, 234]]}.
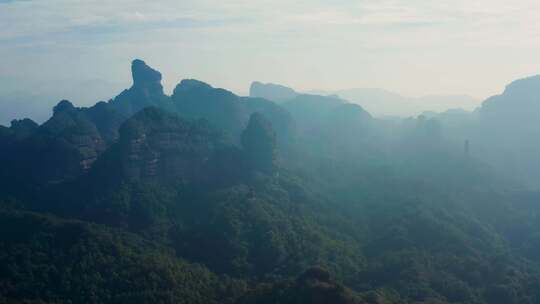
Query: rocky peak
{"points": [[146, 91], [23, 128], [62, 106], [145, 76], [190, 84], [259, 143]]}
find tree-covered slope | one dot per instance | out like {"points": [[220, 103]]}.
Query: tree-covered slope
{"points": [[51, 260], [208, 197]]}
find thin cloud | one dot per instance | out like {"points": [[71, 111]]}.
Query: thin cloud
{"points": [[381, 43]]}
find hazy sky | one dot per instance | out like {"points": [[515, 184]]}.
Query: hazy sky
{"points": [[414, 47]]}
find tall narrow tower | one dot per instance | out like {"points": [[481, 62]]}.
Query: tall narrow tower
{"points": [[466, 148]]}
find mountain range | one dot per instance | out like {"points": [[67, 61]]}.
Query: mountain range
{"points": [[204, 196], [379, 102]]}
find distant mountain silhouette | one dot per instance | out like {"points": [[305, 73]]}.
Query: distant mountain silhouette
{"points": [[270, 91], [381, 103], [310, 110], [36, 100], [508, 128], [228, 112], [519, 101], [503, 131]]}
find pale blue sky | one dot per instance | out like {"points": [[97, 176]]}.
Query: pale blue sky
{"points": [[414, 47]]}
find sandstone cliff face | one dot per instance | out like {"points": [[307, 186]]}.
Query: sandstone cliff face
{"points": [[159, 146], [64, 147], [68, 144], [70, 140]]}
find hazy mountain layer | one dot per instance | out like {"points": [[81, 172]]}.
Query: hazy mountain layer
{"points": [[379, 102], [208, 197]]}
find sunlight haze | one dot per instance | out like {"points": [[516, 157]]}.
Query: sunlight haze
{"points": [[413, 48]]}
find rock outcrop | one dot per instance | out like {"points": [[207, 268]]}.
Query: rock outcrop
{"points": [[155, 145], [259, 143], [67, 144], [146, 90], [145, 77]]}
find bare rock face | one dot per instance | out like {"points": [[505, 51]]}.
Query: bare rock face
{"points": [[69, 138], [80, 135], [156, 145], [64, 147]]}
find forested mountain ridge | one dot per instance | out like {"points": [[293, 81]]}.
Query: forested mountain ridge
{"points": [[503, 130], [208, 197]]}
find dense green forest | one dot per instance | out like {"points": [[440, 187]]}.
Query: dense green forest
{"points": [[208, 197]]}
